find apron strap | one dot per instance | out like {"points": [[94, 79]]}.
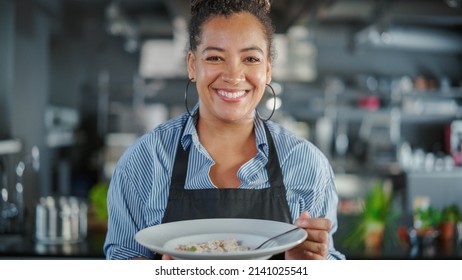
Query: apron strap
{"points": [[273, 166], [180, 165]]}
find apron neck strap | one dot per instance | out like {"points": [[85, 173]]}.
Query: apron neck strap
{"points": [[273, 167]]}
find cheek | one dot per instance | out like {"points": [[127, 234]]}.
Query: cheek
{"points": [[206, 75], [260, 78], [262, 73]]}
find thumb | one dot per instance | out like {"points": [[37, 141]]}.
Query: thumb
{"points": [[305, 215], [302, 220]]}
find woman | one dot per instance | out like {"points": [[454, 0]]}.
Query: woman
{"points": [[220, 159]]}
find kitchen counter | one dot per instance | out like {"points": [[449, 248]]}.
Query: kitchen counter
{"points": [[26, 247]]}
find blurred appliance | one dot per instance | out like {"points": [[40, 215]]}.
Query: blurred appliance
{"points": [[61, 219], [61, 118], [454, 141], [61, 124], [455, 135], [11, 199], [381, 133]]}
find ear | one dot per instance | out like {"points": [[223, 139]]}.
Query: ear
{"points": [[190, 61], [269, 70]]}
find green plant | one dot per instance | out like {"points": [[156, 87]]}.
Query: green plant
{"points": [[377, 204], [451, 213], [98, 199], [377, 214], [426, 218]]}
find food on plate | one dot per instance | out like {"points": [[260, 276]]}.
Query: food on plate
{"points": [[213, 246]]}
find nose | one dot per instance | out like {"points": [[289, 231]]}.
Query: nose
{"points": [[233, 74], [233, 80]]}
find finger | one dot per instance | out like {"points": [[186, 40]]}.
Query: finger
{"points": [[316, 247], [320, 236], [317, 243], [314, 223], [313, 248], [305, 215], [166, 257], [298, 253]]}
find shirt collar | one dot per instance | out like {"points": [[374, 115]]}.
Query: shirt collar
{"points": [[262, 141], [190, 133]]}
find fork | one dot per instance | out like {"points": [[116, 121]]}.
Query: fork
{"points": [[272, 239]]}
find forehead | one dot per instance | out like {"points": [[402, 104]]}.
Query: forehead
{"points": [[239, 29]]}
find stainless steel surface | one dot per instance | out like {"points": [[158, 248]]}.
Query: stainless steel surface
{"points": [[10, 146], [26, 247]]}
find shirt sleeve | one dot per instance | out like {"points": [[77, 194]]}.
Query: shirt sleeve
{"points": [[125, 209], [331, 201], [310, 183]]}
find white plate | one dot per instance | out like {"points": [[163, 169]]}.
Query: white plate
{"points": [[164, 238]]}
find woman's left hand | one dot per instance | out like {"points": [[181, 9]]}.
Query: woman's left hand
{"points": [[315, 247]]}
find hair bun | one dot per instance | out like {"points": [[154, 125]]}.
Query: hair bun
{"points": [[196, 5], [266, 5]]}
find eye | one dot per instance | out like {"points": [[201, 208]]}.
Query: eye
{"points": [[214, 58], [252, 59]]}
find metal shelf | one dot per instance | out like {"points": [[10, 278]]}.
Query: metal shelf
{"points": [[60, 139]]}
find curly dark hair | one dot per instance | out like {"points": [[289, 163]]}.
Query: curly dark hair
{"points": [[203, 10]]}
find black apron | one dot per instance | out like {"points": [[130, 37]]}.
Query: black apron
{"points": [[268, 204]]}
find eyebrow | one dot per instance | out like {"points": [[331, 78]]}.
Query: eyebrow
{"points": [[243, 50]]}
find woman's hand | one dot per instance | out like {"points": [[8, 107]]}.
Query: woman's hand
{"points": [[315, 247], [166, 257]]}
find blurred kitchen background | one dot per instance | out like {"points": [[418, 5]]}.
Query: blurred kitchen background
{"points": [[376, 85]]}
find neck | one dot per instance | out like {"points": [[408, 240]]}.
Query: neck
{"points": [[212, 133]]}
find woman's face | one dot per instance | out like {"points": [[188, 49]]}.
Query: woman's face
{"points": [[231, 66]]}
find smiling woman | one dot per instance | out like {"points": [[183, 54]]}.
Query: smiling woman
{"points": [[232, 67], [221, 160]]}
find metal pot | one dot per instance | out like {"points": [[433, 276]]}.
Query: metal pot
{"points": [[61, 219]]}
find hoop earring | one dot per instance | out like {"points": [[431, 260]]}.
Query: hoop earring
{"points": [[186, 96], [274, 105]]}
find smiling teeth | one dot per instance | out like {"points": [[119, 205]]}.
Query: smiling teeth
{"points": [[236, 94]]}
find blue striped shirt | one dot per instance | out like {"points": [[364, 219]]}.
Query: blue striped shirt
{"points": [[139, 187]]}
